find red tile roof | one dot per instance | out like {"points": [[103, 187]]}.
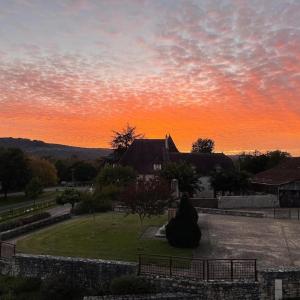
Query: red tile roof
{"points": [[285, 172]]}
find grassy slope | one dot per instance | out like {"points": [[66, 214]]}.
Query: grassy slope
{"points": [[109, 236]]}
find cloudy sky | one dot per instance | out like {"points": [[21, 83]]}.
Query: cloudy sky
{"points": [[73, 70]]}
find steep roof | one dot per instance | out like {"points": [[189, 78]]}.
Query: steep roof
{"points": [[143, 153], [285, 172], [204, 163]]}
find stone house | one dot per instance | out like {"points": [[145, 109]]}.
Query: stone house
{"points": [[148, 156]]}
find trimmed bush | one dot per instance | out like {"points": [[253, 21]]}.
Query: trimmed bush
{"points": [[60, 288], [130, 285], [183, 230], [23, 221]]}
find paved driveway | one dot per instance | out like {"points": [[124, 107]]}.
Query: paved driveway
{"points": [[272, 242]]}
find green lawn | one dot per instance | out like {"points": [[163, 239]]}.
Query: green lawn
{"points": [[22, 198], [108, 236]]}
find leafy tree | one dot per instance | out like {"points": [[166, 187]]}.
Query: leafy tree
{"points": [[63, 170], [14, 170], [184, 173], [230, 181], [84, 171], [34, 188], [203, 146], [71, 196], [121, 140], [147, 197], [183, 230], [258, 162], [115, 175], [44, 170]]}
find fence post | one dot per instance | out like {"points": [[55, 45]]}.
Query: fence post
{"points": [[255, 270], [207, 270], [298, 213], [290, 216], [170, 264], [203, 269], [139, 268], [231, 269]]}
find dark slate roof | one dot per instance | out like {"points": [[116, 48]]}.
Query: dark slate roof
{"points": [[285, 172], [143, 153], [205, 163]]}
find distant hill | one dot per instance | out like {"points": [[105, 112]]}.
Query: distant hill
{"points": [[42, 149]]}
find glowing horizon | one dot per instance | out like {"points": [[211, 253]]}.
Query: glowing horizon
{"points": [[72, 71]]}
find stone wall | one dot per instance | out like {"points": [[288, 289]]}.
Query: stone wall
{"points": [[164, 296], [288, 283], [94, 272], [249, 201], [9, 234], [84, 272], [209, 290], [205, 202]]}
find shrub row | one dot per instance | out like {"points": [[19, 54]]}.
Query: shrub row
{"points": [[23, 221]]}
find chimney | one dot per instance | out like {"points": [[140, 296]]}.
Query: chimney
{"points": [[167, 142]]}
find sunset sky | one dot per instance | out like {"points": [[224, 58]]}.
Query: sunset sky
{"points": [[73, 70]]}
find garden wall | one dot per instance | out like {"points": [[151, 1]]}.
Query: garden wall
{"points": [[82, 272], [281, 283], [9, 234], [249, 201]]}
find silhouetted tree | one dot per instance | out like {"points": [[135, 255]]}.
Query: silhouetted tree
{"points": [[258, 162], [121, 140], [14, 170], [203, 146]]}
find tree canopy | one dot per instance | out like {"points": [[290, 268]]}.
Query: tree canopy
{"points": [[121, 140], [203, 146], [259, 162], [184, 173], [14, 169], [44, 170]]}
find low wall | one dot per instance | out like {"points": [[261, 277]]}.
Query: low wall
{"points": [[250, 201], [205, 202], [83, 272], [165, 296], [286, 282], [209, 290], [228, 212], [9, 234]]}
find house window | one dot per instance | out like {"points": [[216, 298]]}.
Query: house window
{"points": [[157, 167]]}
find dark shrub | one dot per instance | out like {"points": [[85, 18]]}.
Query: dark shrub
{"points": [[93, 203], [130, 285], [23, 221], [183, 230], [18, 288], [60, 288]]}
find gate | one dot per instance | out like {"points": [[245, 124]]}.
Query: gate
{"points": [[7, 250]]}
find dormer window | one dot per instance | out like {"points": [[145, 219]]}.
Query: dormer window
{"points": [[157, 167]]}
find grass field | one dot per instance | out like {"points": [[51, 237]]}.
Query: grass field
{"points": [[108, 236], [22, 198]]}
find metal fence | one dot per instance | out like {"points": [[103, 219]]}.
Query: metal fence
{"points": [[7, 250], [287, 213], [200, 269]]}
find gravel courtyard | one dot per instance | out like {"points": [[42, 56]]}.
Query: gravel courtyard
{"points": [[274, 242]]}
